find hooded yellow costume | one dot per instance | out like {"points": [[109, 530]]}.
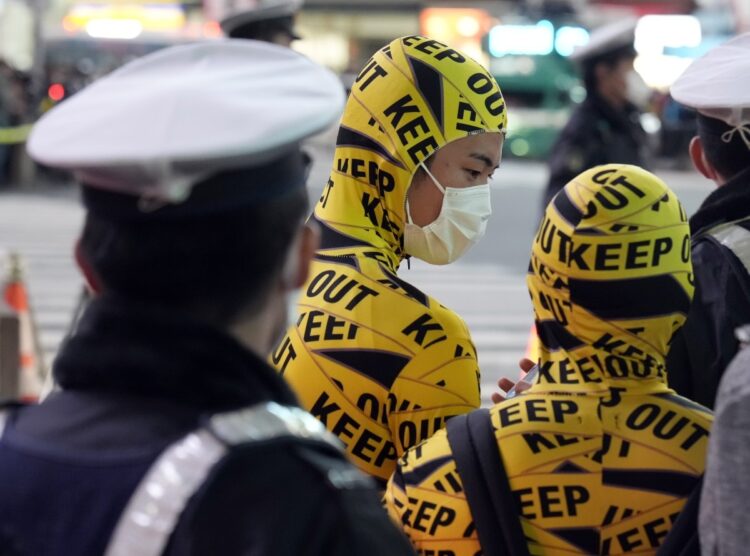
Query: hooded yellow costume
{"points": [[600, 454], [379, 362]]}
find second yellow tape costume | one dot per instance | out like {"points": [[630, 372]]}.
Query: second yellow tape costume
{"points": [[379, 362], [600, 454]]}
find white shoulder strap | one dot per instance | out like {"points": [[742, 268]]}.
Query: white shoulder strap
{"points": [[736, 239], [156, 505], [3, 417]]}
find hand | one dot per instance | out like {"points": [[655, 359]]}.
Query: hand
{"points": [[506, 384]]}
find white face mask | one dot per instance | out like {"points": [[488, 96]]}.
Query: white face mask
{"points": [[461, 223]]}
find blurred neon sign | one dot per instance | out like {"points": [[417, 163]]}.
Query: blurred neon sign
{"points": [[539, 39]]}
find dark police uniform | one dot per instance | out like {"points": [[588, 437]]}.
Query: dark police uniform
{"points": [[169, 435], [596, 134], [706, 345], [70, 466]]}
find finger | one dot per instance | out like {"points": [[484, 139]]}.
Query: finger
{"points": [[505, 384], [497, 398], [526, 364]]}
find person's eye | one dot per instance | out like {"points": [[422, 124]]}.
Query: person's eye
{"points": [[473, 173]]}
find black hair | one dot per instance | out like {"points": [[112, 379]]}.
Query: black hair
{"points": [[264, 30], [728, 158], [213, 267], [610, 59]]}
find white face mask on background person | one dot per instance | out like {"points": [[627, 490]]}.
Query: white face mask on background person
{"points": [[461, 223]]}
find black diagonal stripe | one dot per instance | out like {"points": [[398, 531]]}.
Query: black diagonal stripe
{"points": [[352, 138], [651, 296], [414, 292], [589, 232], [430, 84], [338, 259], [567, 209], [381, 366], [554, 336], [684, 402], [610, 515], [417, 475], [667, 482], [331, 239], [584, 538], [569, 467]]}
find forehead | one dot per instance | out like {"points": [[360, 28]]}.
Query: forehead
{"points": [[487, 144]]}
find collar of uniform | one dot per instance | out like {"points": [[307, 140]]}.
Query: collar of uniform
{"points": [[727, 203], [625, 119], [122, 347]]}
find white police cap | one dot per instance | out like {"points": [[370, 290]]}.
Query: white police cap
{"points": [[232, 14], [606, 39], [718, 84], [162, 123]]}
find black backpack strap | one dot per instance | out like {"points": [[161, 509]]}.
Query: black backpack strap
{"points": [[682, 539], [485, 482]]}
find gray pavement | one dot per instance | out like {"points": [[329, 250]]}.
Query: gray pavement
{"points": [[486, 287]]}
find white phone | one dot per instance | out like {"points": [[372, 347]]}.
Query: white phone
{"points": [[529, 380]]}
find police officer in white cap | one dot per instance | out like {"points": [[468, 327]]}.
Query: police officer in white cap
{"points": [[718, 87], [605, 128], [263, 20], [171, 435]]}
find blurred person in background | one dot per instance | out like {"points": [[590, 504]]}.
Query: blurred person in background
{"points": [[382, 364], [599, 455], [605, 128], [261, 20], [5, 75], [170, 434], [716, 86]]}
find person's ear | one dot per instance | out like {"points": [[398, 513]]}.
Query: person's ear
{"points": [[297, 266], [698, 156], [93, 283]]}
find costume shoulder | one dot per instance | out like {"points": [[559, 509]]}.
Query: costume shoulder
{"points": [[425, 497]]}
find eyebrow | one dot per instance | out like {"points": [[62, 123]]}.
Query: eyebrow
{"points": [[485, 159]]}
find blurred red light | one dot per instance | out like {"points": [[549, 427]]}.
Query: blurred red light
{"points": [[56, 92]]}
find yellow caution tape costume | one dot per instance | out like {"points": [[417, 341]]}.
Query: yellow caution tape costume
{"points": [[379, 362], [600, 454]]}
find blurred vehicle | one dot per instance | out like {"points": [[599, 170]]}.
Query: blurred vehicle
{"points": [[72, 63], [539, 83]]}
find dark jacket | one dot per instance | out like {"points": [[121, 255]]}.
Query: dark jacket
{"points": [[703, 348], [596, 134], [134, 381]]}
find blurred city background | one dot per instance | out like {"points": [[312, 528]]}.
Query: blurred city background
{"points": [[50, 49]]}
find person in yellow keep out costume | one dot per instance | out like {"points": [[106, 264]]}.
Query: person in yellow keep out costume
{"points": [[379, 362], [599, 453]]}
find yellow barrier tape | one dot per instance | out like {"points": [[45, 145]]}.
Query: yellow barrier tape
{"points": [[14, 135]]}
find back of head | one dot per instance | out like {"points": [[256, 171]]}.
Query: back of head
{"points": [[717, 85], [192, 175], [610, 279], [607, 45]]}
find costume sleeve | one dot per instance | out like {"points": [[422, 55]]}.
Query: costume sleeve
{"points": [[438, 383], [425, 498]]}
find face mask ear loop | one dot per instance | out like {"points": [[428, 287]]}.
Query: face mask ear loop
{"points": [[433, 178]]}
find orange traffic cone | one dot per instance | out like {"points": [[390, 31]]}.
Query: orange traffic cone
{"points": [[532, 345], [16, 296]]}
